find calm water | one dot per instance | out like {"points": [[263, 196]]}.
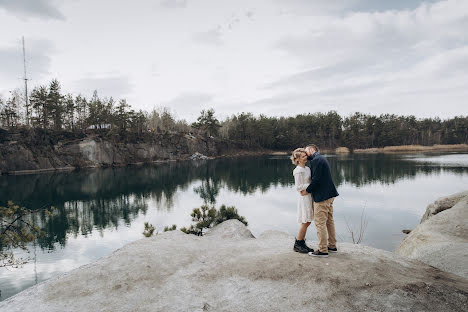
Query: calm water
{"points": [[99, 211]]}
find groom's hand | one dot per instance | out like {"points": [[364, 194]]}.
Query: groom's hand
{"points": [[304, 193]]}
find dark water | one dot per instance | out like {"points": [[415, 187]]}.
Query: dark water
{"points": [[99, 211]]}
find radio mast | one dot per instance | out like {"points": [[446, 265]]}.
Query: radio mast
{"points": [[25, 78]]}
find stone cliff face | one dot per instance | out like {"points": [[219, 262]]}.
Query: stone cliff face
{"points": [[26, 151]]}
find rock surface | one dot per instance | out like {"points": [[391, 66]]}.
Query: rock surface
{"points": [[442, 204], [441, 239], [173, 271], [35, 150], [198, 156], [233, 229]]}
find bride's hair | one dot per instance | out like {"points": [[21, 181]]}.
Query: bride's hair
{"points": [[296, 154]]}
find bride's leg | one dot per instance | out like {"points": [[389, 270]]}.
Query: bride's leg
{"points": [[302, 230]]}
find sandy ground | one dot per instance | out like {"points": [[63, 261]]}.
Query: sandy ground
{"points": [[231, 271]]}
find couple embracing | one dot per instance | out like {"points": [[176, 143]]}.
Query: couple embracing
{"points": [[316, 194]]}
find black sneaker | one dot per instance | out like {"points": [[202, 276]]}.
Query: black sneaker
{"points": [[318, 253], [332, 249], [300, 246]]}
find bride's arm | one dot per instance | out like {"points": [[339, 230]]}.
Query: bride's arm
{"points": [[299, 181]]}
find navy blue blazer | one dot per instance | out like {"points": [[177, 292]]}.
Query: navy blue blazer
{"points": [[321, 186]]}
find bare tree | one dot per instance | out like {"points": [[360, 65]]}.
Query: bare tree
{"points": [[357, 235]]}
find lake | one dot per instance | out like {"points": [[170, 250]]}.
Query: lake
{"points": [[98, 211]]}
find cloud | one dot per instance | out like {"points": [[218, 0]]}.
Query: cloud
{"points": [[45, 9], [190, 103], [38, 59], [333, 7], [397, 36], [116, 86], [173, 4], [210, 37], [398, 57]]}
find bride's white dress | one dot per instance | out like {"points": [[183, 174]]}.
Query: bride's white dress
{"points": [[305, 205]]}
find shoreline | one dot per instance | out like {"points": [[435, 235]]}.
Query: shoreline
{"points": [[409, 149], [136, 164], [401, 149]]}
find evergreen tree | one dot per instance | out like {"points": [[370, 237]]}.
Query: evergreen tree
{"points": [[55, 104], [207, 122], [69, 106], [40, 106]]}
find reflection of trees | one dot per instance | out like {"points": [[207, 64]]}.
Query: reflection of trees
{"points": [[81, 217], [248, 174], [208, 191], [388, 169], [211, 183], [91, 200], [157, 182]]}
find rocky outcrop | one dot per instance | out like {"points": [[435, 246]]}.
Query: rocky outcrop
{"points": [[230, 229], [441, 239], [442, 204], [228, 271], [33, 150]]}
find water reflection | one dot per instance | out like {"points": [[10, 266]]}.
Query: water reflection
{"points": [[98, 211], [93, 200], [82, 217]]}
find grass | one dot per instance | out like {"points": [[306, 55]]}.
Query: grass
{"points": [[415, 148]]}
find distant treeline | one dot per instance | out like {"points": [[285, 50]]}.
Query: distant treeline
{"points": [[48, 108]]}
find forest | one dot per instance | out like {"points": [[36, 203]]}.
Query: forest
{"points": [[48, 108]]}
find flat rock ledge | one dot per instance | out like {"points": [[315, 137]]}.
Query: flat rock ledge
{"points": [[441, 239], [227, 271]]}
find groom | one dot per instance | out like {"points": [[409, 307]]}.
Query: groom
{"points": [[324, 192]]}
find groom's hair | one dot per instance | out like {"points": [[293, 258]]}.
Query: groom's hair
{"points": [[315, 147]]}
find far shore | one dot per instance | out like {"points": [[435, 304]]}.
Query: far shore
{"points": [[403, 149], [407, 149], [415, 149]]}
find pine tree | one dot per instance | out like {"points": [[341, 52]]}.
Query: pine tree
{"points": [[55, 104], [207, 122]]}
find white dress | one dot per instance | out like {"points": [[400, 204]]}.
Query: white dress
{"points": [[305, 205]]}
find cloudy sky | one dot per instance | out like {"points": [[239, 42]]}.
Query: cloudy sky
{"points": [[276, 57]]}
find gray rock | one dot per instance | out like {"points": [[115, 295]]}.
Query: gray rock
{"points": [[442, 204], [442, 239], [173, 271], [198, 156], [230, 229], [39, 150]]}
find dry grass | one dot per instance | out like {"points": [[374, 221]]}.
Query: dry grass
{"points": [[342, 150], [416, 148]]}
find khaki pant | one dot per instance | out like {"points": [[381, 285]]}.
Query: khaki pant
{"points": [[323, 217]]}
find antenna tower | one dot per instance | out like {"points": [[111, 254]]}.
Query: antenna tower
{"points": [[25, 85]]}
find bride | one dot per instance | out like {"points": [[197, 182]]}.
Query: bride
{"points": [[305, 206]]}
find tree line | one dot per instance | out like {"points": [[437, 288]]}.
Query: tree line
{"points": [[49, 108], [356, 131]]}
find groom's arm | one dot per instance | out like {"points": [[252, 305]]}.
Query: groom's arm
{"points": [[317, 170]]}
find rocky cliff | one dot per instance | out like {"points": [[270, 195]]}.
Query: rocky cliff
{"points": [[230, 270], [33, 150], [441, 239]]}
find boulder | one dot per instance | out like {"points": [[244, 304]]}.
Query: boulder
{"points": [[441, 239], [442, 204], [230, 229], [198, 156]]}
